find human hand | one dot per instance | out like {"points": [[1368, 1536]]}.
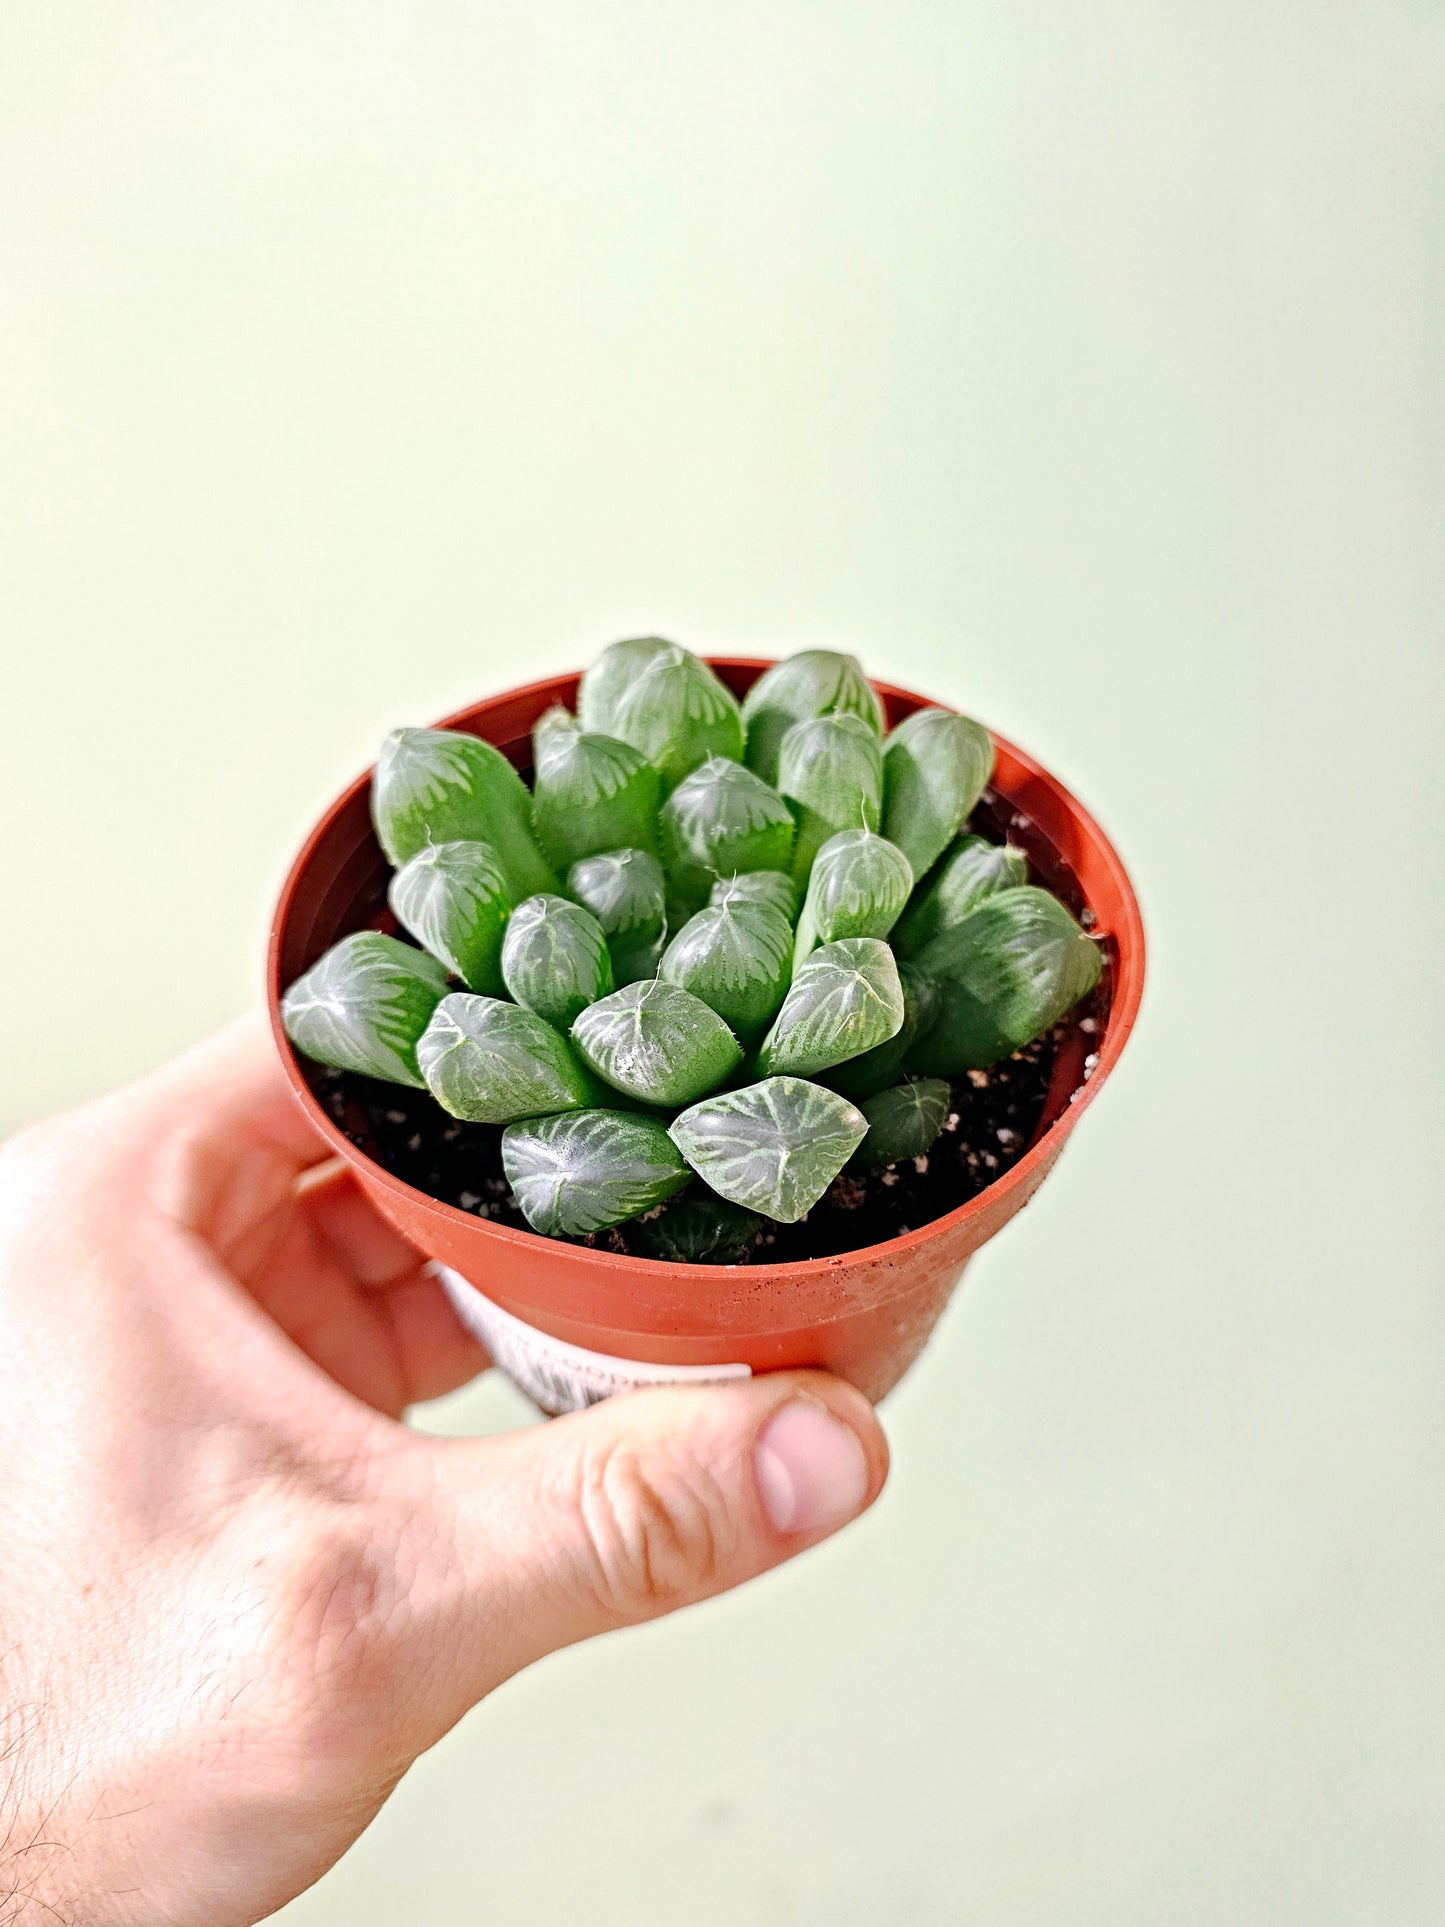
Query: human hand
{"points": [[237, 1597]]}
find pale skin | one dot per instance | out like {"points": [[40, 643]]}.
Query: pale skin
{"points": [[238, 1596]]}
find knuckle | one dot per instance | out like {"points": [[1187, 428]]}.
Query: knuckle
{"points": [[339, 1610], [655, 1541]]}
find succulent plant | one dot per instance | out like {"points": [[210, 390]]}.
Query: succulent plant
{"points": [[555, 958], [590, 792], [759, 886], [667, 704], [845, 999], [627, 893], [830, 770], [737, 957], [364, 1005], [656, 1042], [1002, 976], [773, 1147], [874, 1070], [724, 952], [970, 870], [858, 887], [580, 1171], [903, 1121], [698, 1231], [492, 1062], [455, 901], [936, 765], [722, 820], [439, 786], [814, 682]]}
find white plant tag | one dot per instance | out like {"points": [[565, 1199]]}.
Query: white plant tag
{"points": [[558, 1377]]}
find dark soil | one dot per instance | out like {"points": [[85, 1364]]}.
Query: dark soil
{"points": [[995, 1116]]}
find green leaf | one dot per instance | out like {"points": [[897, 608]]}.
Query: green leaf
{"points": [[591, 793], [773, 1147], [555, 958], [491, 1062], [719, 821], [363, 1005], [775, 887], [454, 899], [737, 957], [858, 886], [972, 869], [935, 767], [626, 891], [844, 1000], [657, 1042], [874, 1070], [902, 1122], [439, 786], [610, 677], [831, 772], [815, 682], [559, 716], [1003, 976], [678, 714], [581, 1171], [698, 1231]]}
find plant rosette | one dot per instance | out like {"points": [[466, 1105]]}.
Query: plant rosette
{"points": [[669, 968]]}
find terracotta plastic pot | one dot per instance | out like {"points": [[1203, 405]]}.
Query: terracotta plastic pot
{"points": [[571, 1324]]}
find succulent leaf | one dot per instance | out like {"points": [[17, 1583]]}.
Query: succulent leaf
{"points": [[1003, 976], [902, 1122], [580, 1171], [364, 1004], [874, 1070], [591, 793], [775, 887], [557, 717], [935, 767], [454, 899], [774, 1146], [698, 1231], [830, 769], [627, 893], [555, 958], [814, 682], [722, 820], [657, 1042], [678, 714], [492, 1062], [844, 1000], [970, 870], [737, 957], [440, 786], [858, 886], [609, 678]]}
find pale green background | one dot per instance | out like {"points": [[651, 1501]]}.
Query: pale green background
{"points": [[1077, 362]]}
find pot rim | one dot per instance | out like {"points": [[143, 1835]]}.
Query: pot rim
{"points": [[1126, 996]]}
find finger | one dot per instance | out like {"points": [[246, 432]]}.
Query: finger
{"points": [[435, 1352], [228, 1093], [643, 1504], [350, 1225]]}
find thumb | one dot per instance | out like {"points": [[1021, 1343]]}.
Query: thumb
{"points": [[642, 1504]]}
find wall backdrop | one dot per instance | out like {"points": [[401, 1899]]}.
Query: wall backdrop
{"points": [[1079, 363]]}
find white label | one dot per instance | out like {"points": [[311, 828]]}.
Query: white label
{"points": [[558, 1377]]}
